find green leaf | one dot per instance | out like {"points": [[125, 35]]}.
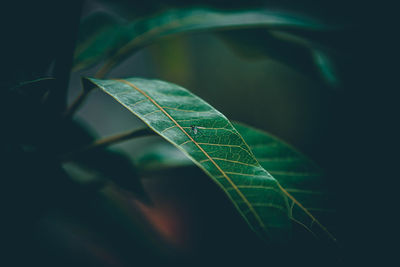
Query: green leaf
{"points": [[161, 155], [302, 54], [208, 138], [300, 176], [98, 34], [98, 165], [117, 41]]}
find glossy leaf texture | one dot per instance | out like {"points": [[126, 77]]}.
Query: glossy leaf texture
{"points": [[297, 174], [300, 176], [117, 40], [208, 138]]}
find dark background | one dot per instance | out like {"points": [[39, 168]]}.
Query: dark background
{"points": [[345, 129]]}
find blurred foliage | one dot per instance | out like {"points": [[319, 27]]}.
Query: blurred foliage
{"points": [[115, 39], [101, 209], [217, 148]]}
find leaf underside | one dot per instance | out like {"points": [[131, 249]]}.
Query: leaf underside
{"points": [[116, 40], [208, 138]]}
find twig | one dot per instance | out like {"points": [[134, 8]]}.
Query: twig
{"points": [[109, 141], [70, 111]]}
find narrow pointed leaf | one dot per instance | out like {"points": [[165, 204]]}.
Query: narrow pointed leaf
{"points": [[119, 40], [208, 138], [98, 33], [36, 89]]}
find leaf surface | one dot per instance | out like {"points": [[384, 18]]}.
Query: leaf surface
{"points": [[297, 174], [208, 138], [118, 40]]}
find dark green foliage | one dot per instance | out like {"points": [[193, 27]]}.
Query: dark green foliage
{"points": [[223, 193], [115, 39]]}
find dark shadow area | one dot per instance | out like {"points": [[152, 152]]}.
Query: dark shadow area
{"points": [[115, 215]]}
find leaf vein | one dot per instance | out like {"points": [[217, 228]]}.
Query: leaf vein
{"points": [[233, 161], [251, 208]]}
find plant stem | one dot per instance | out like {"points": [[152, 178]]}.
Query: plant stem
{"points": [[119, 138], [102, 72], [109, 141], [70, 111], [110, 64]]}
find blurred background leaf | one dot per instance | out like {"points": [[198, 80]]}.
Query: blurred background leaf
{"points": [[294, 50], [116, 39], [103, 164], [333, 127]]}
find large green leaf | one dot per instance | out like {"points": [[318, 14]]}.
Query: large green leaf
{"points": [[117, 40], [208, 138]]}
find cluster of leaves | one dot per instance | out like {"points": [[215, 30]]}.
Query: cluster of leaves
{"points": [[260, 192], [271, 185]]}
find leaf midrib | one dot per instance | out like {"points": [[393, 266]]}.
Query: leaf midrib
{"points": [[224, 174], [201, 149]]}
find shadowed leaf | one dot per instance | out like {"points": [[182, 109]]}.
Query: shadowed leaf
{"points": [[294, 50], [37, 89], [98, 34], [115, 41], [98, 165], [160, 156]]}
